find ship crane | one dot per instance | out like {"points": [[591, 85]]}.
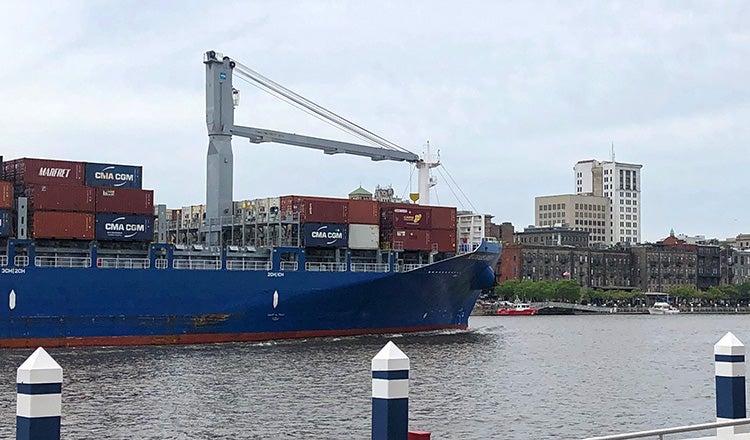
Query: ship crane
{"points": [[221, 99]]}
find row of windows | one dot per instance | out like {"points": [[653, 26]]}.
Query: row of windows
{"points": [[552, 206], [628, 209], [590, 222], [589, 207], [628, 217]]}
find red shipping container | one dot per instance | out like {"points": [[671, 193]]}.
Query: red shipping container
{"points": [[402, 216], [63, 225], [6, 195], [44, 171], [324, 211], [125, 201], [443, 240], [408, 240], [60, 198], [443, 217], [365, 212]]}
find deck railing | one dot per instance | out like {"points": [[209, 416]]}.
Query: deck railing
{"points": [[4, 260], [660, 433], [123, 263], [184, 263], [248, 265], [325, 267], [61, 261], [289, 265], [369, 267], [21, 260]]}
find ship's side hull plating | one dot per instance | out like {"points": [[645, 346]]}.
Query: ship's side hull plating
{"points": [[96, 306]]}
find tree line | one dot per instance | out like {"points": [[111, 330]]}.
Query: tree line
{"points": [[571, 291]]}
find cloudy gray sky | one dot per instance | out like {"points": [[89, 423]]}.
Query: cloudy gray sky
{"points": [[511, 93]]}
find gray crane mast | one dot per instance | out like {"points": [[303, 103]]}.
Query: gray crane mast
{"points": [[219, 120]]}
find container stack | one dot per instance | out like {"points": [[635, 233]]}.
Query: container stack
{"points": [[417, 228], [364, 227], [325, 221], [6, 207], [83, 201]]}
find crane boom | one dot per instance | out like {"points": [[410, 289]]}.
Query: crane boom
{"points": [[260, 135]]}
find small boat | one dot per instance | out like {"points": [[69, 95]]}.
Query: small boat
{"points": [[517, 309], [663, 308]]}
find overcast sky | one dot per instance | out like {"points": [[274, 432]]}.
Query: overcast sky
{"points": [[513, 94]]}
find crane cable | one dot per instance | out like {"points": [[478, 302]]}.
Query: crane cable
{"points": [[345, 123], [298, 106], [473, 208]]}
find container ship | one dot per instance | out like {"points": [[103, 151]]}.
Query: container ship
{"points": [[88, 259]]}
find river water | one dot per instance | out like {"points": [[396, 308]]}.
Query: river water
{"points": [[541, 377]]}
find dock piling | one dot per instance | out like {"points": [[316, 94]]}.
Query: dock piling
{"points": [[390, 394], [39, 397], [729, 356]]}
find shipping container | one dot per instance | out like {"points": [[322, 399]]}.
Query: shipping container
{"points": [[63, 225], [323, 210], [44, 171], [365, 212], [119, 227], [113, 175], [443, 217], [332, 235], [364, 237], [406, 239], [402, 216], [125, 201], [4, 223], [60, 198], [6, 195], [443, 240]]}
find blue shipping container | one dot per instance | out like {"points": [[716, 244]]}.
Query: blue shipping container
{"points": [[326, 235], [122, 227], [4, 223], [113, 176]]}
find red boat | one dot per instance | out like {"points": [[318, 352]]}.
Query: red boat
{"points": [[517, 309]]}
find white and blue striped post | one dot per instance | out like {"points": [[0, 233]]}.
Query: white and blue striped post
{"points": [[729, 355], [39, 406], [390, 394]]}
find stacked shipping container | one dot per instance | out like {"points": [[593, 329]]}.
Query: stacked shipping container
{"points": [[372, 225], [417, 228], [82, 201]]}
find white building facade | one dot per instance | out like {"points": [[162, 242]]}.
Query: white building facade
{"points": [[621, 184]]}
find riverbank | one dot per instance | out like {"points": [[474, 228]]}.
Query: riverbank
{"points": [[490, 309]]}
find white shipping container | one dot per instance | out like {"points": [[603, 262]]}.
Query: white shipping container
{"points": [[364, 237]]}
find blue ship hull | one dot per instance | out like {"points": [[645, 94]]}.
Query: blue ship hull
{"points": [[96, 306]]}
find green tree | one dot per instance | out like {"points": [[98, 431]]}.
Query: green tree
{"points": [[507, 290], [568, 290], [545, 291], [526, 290]]}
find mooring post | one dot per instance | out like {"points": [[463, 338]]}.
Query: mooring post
{"points": [[390, 394], [39, 395], [729, 355]]}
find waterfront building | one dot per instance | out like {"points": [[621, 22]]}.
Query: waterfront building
{"points": [[740, 264], [621, 184], [553, 236], [606, 269], [668, 263], [582, 212], [742, 241]]}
